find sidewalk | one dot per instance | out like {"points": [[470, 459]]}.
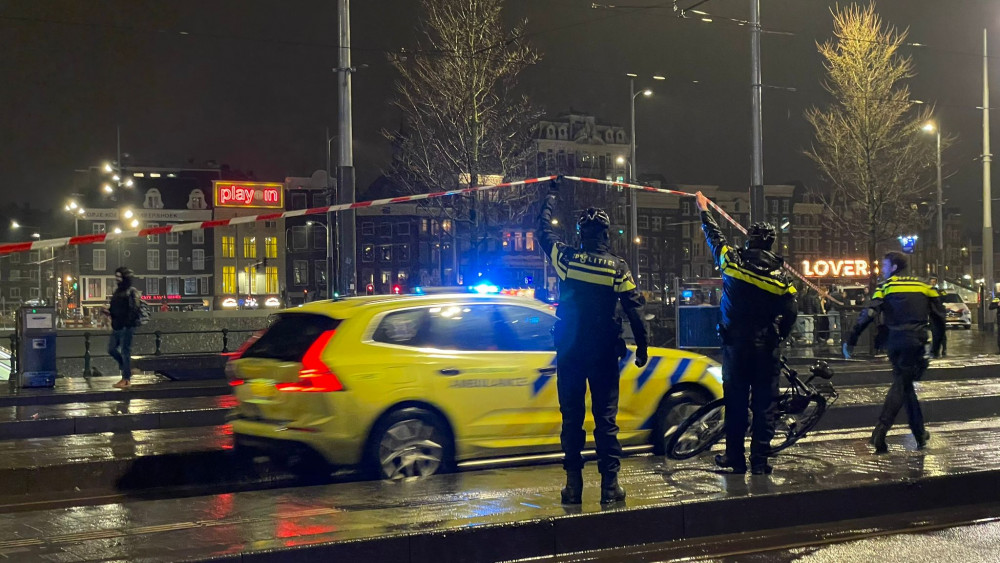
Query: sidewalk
{"points": [[79, 389], [514, 513]]}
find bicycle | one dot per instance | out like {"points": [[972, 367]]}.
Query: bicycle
{"points": [[798, 409]]}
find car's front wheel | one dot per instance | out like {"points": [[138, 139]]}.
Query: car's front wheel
{"points": [[410, 442]]}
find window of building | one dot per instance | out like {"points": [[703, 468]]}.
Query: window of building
{"points": [[250, 276], [319, 237], [34, 256], [94, 288], [368, 228], [785, 205], [685, 208], [152, 259], [385, 253], [100, 259], [320, 266], [774, 206], [300, 272], [529, 241], [153, 238], [173, 286], [518, 241], [204, 282], [15, 258], [229, 246], [152, 286], [190, 286], [153, 199], [173, 259], [14, 275], [270, 247], [657, 223], [271, 279], [403, 253], [15, 293], [402, 229], [229, 279], [319, 199], [297, 200], [643, 221], [385, 230], [249, 247], [446, 226], [368, 253], [99, 228], [33, 275], [423, 226], [300, 238], [173, 238], [197, 259]]}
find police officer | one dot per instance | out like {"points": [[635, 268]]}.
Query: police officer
{"points": [[758, 312], [588, 345], [906, 304], [933, 282]]}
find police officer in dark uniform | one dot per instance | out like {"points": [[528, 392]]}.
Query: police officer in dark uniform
{"points": [[758, 311], [588, 343], [906, 305]]}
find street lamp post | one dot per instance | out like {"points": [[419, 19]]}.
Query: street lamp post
{"points": [[633, 176], [933, 128]]}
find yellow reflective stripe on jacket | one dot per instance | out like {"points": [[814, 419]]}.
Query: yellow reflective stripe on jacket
{"points": [[595, 269], [904, 287], [769, 285], [582, 275], [556, 263], [626, 284]]}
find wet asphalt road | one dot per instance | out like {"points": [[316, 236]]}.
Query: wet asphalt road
{"points": [[976, 543]]}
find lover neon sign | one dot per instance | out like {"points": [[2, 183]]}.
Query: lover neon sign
{"points": [[835, 269], [249, 194]]}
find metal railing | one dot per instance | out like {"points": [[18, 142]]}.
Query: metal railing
{"points": [[149, 340]]}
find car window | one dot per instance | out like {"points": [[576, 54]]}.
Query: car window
{"points": [[289, 336], [525, 329], [951, 298], [401, 327], [461, 327]]}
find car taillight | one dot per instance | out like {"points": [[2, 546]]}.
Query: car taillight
{"points": [[315, 376], [236, 382]]}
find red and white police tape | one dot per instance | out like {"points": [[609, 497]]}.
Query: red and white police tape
{"points": [[735, 223], [11, 248]]}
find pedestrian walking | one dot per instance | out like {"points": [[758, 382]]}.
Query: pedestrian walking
{"points": [[758, 312], [906, 305], [588, 343], [125, 312], [933, 282]]}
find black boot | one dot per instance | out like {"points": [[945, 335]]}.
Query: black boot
{"points": [[611, 491], [734, 465], [878, 439], [759, 466], [922, 438], [572, 493]]}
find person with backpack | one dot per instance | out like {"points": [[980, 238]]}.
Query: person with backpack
{"points": [[127, 314]]}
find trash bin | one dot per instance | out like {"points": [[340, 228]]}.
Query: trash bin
{"points": [[36, 346]]}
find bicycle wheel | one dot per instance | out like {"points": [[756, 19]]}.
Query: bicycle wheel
{"points": [[699, 432], [790, 426]]}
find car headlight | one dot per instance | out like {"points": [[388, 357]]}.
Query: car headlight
{"points": [[716, 372]]}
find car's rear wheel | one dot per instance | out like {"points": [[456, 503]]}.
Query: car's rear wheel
{"points": [[408, 443], [674, 409]]}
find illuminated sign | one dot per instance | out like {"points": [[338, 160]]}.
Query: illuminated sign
{"points": [[835, 269], [249, 194], [229, 302], [272, 302]]}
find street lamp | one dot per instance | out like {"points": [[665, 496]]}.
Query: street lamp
{"points": [[633, 197], [931, 127]]}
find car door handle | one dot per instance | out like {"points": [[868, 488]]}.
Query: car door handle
{"points": [[450, 371], [550, 369]]}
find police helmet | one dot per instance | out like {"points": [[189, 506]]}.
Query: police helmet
{"points": [[760, 236], [593, 223]]}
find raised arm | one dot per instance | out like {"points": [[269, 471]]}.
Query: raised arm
{"points": [[544, 231], [713, 234]]}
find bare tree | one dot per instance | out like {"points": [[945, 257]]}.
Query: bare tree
{"points": [[868, 144], [463, 122]]}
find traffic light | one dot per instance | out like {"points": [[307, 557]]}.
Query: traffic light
{"points": [[396, 290], [370, 289], [74, 286]]}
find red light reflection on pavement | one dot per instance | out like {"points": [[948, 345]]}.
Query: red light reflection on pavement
{"points": [[299, 534]]}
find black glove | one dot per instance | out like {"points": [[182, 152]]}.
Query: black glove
{"points": [[554, 184], [641, 356]]}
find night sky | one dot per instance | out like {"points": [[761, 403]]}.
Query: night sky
{"points": [[248, 83]]}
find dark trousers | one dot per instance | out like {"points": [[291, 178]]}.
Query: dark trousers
{"points": [[121, 339], [908, 365], [749, 381], [600, 371]]}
